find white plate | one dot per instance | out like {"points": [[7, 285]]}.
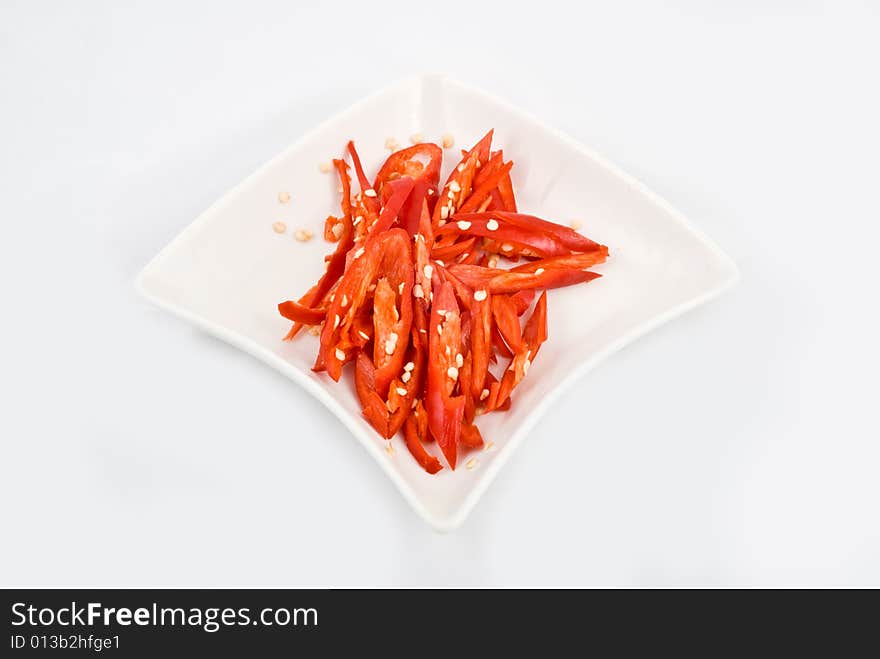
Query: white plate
{"points": [[228, 270]]}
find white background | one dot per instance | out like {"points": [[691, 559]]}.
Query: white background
{"points": [[737, 445]]}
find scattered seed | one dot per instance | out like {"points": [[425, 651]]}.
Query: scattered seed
{"points": [[459, 360], [539, 271], [303, 235], [400, 288], [442, 222], [454, 186], [489, 446], [448, 141], [391, 144], [480, 295], [526, 364], [359, 253], [492, 225], [364, 335], [452, 372], [493, 262], [283, 197], [409, 366], [506, 247], [279, 227], [428, 271], [575, 224], [369, 192], [337, 230], [416, 138], [444, 212], [449, 315], [401, 391], [442, 264], [314, 330], [340, 354], [418, 291], [484, 394], [344, 300], [405, 377], [324, 166], [335, 321], [389, 449], [471, 464], [464, 225], [391, 344], [460, 167], [357, 220]]}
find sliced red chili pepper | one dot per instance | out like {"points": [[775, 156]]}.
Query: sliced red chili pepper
{"points": [[422, 164], [495, 280], [522, 300], [414, 438], [505, 191], [444, 411], [387, 253], [579, 261], [400, 191], [481, 341], [482, 191], [495, 162], [449, 253], [470, 436], [540, 243], [507, 321], [300, 314], [565, 235]]}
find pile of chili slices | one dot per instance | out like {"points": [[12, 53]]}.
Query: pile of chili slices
{"points": [[413, 296]]}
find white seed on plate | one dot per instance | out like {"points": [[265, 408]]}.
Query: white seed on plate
{"points": [[279, 227], [314, 330], [464, 225], [369, 192], [391, 144], [575, 225], [283, 197], [489, 446], [416, 138], [471, 464], [480, 295], [340, 354], [401, 391], [452, 372], [409, 366], [303, 235], [484, 394], [324, 166], [448, 141], [492, 225], [389, 449], [454, 186]]}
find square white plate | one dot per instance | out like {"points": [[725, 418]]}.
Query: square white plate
{"points": [[228, 270]]}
